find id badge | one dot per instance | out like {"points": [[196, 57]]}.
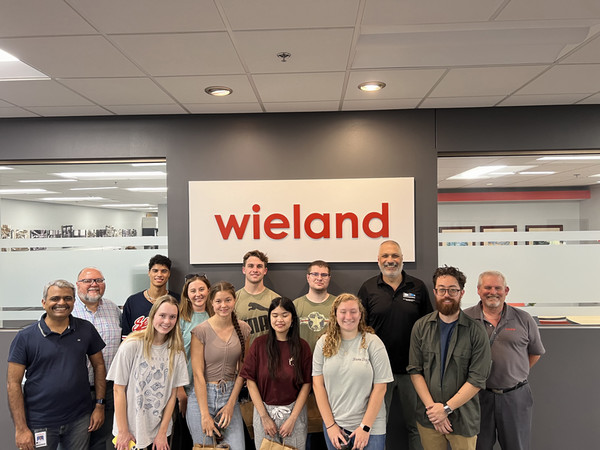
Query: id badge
{"points": [[40, 439]]}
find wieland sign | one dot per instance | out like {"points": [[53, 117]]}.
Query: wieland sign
{"points": [[340, 220]]}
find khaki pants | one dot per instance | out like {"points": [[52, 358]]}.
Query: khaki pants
{"points": [[434, 440]]}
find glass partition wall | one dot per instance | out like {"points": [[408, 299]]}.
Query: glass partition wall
{"points": [[58, 218], [536, 219]]}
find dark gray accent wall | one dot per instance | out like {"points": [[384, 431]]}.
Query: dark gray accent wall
{"points": [[339, 145]]}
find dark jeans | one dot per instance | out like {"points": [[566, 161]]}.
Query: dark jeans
{"points": [[70, 436], [101, 439]]}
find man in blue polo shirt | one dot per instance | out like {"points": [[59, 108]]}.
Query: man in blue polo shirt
{"points": [[55, 406]]}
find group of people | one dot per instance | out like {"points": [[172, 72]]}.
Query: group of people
{"points": [[319, 368]]}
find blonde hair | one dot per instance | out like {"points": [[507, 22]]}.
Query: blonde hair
{"points": [[173, 337], [186, 309], [333, 338]]}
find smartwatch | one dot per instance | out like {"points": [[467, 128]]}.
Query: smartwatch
{"points": [[365, 427], [100, 401], [448, 410]]}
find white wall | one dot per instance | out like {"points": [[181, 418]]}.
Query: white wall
{"points": [[590, 210], [566, 213], [47, 216]]}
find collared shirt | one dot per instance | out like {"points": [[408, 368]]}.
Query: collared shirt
{"points": [[392, 313], [107, 320], [468, 360], [56, 388], [515, 338]]}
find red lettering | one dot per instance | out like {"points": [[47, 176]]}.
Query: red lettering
{"points": [[256, 221], [339, 224], [324, 233], [232, 223], [140, 324], [296, 216], [383, 217], [276, 221]]}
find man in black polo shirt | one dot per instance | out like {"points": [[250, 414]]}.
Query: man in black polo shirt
{"points": [[394, 301], [55, 407]]}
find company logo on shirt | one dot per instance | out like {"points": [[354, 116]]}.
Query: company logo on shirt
{"points": [[140, 324]]}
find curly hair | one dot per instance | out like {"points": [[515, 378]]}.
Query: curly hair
{"points": [[333, 337], [449, 271]]}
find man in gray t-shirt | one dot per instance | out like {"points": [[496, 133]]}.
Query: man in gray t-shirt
{"points": [[507, 402]]}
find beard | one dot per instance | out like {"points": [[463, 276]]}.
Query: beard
{"points": [[391, 270], [92, 298], [447, 309]]}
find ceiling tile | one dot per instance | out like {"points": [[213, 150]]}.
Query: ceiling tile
{"points": [[465, 47], [299, 87], [564, 79], [551, 9], [311, 50], [484, 81], [589, 53], [542, 99], [365, 105], [146, 109], [39, 93], [591, 100], [282, 14], [53, 111], [71, 56], [393, 12], [301, 106], [150, 16], [461, 102], [40, 18], [191, 89], [14, 111], [181, 54], [205, 108], [119, 91], [399, 83]]}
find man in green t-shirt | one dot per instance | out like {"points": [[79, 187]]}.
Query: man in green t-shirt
{"points": [[253, 300], [313, 308]]}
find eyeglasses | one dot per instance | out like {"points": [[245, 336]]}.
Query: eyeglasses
{"points": [[317, 274], [91, 280], [189, 276], [453, 292]]}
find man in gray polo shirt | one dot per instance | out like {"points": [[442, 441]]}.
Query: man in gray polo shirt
{"points": [[507, 402]]}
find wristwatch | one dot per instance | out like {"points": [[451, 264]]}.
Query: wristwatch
{"points": [[366, 428], [100, 401], [448, 410]]}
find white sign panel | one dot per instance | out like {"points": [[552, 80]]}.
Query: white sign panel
{"points": [[341, 220]]}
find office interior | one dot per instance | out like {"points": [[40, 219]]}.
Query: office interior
{"points": [[121, 109]]}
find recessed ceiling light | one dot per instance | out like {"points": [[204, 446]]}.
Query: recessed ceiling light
{"points": [[94, 188], [149, 164], [537, 173], [66, 180], [566, 158], [218, 91], [126, 205], [103, 176], [371, 86], [147, 189], [476, 172], [72, 199], [5, 168], [22, 191]]}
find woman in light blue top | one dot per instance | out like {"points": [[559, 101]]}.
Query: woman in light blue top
{"points": [[193, 310]]}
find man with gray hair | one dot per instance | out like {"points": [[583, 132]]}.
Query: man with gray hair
{"points": [[91, 305], [506, 402], [394, 301], [55, 408]]}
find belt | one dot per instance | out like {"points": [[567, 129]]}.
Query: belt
{"points": [[504, 391]]}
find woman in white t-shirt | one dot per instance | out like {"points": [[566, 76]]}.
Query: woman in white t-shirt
{"points": [[351, 369], [147, 370]]}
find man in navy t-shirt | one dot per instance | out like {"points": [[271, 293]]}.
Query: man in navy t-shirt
{"points": [[55, 405]]}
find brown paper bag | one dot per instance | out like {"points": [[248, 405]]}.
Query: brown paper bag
{"points": [[267, 444], [214, 444]]}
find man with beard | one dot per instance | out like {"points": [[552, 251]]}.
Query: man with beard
{"points": [[91, 305], [54, 407], [507, 402], [394, 301], [449, 363]]}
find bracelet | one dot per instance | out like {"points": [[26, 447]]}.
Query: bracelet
{"points": [[327, 428]]}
